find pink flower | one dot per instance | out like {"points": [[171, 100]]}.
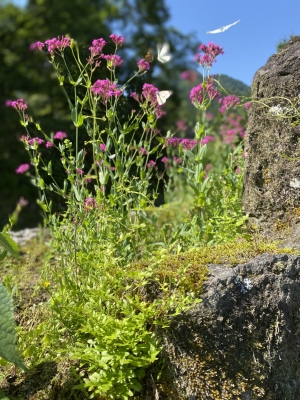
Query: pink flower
{"points": [[247, 105], [181, 125], [34, 141], [143, 151], [97, 46], [149, 93], [188, 144], [88, 180], [113, 60], [22, 202], [60, 135], [35, 45], [80, 171], [105, 89], [203, 91], [189, 75], [57, 44], [49, 144], [227, 102], [18, 104], [143, 65], [102, 147], [112, 168], [177, 160], [210, 53], [118, 40], [151, 164], [174, 142], [165, 160], [208, 139], [135, 96], [22, 168], [90, 204]]}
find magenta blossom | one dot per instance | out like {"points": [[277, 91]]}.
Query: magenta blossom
{"points": [[227, 102], [60, 135], [118, 40], [49, 144], [204, 91], [97, 46], [105, 89], [177, 160], [149, 93], [143, 65], [165, 160], [18, 104], [34, 141], [188, 144], [208, 139], [22, 168], [247, 105], [151, 164], [36, 45], [190, 75], [143, 151], [90, 204], [80, 171], [113, 60], [210, 53], [102, 147], [181, 125], [57, 44]]}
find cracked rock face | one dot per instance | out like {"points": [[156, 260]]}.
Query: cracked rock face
{"points": [[243, 340], [272, 143]]}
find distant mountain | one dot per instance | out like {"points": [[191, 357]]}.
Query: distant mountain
{"points": [[233, 86]]}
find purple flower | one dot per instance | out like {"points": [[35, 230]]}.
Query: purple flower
{"points": [[208, 139], [90, 204], [102, 147], [57, 44], [188, 144], [151, 164], [227, 102], [34, 141], [210, 53], [247, 105], [135, 96], [60, 135], [143, 65], [113, 60], [165, 160], [118, 40], [105, 89], [80, 171], [149, 93], [97, 46], [143, 151], [181, 125], [49, 144], [35, 45], [177, 160], [22, 168], [201, 92], [18, 104], [189, 75]]}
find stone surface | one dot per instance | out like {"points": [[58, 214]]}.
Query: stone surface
{"points": [[24, 235], [243, 340], [272, 178]]}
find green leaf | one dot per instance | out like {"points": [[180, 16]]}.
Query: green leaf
{"points": [[3, 396], [9, 244], [8, 348]]}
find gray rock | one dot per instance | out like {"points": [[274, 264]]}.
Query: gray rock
{"points": [[24, 235], [243, 340]]}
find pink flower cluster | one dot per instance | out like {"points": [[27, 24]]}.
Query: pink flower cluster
{"points": [[227, 102], [210, 53], [90, 204], [151, 164], [117, 39], [105, 89], [190, 75], [231, 128], [208, 139], [113, 60], [187, 144], [35, 141], [52, 44], [18, 104], [97, 46], [22, 168], [149, 95], [143, 65], [203, 91], [60, 136]]}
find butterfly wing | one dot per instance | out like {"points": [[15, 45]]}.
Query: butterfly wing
{"points": [[223, 28], [163, 52], [163, 96]]}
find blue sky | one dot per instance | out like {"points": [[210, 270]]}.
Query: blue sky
{"points": [[247, 45]]}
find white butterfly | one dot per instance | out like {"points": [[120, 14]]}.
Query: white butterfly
{"points": [[163, 52], [223, 28], [162, 96]]}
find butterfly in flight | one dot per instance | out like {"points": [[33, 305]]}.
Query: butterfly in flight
{"points": [[163, 52], [223, 28], [149, 57], [163, 96]]}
